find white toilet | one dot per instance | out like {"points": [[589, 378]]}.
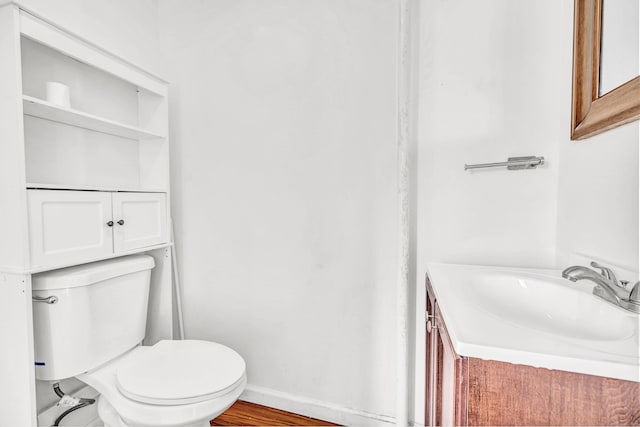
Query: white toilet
{"points": [[93, 332]]}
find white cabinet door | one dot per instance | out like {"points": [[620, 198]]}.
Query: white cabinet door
{"points": [[140, 220], [69, 226]]}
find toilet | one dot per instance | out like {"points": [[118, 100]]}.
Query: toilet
{"points": [[92, 330]]}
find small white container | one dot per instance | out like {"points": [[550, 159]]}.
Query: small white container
{"points": [[58, 93]]}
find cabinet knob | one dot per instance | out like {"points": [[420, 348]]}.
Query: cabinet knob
{"points": [[121, 222], [110, 223], [431, 326]]}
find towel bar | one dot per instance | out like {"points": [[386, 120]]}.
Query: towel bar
{"points": [[512, 163]]}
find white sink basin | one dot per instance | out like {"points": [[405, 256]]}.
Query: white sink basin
{"points": [[535, 317], [549, 305]]}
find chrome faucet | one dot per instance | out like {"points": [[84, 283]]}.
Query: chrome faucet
{"points": [[607, 285]]}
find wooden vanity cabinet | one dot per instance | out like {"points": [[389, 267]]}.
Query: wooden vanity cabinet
{"points": [[446, 372], [466, 391]]}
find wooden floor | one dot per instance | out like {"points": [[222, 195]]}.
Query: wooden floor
{"points": [[250, 414]]}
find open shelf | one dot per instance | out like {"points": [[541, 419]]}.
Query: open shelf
{"points": [[44, 186], [45, 110]]}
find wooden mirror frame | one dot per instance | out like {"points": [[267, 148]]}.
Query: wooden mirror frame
{"points": [[592, 114]]}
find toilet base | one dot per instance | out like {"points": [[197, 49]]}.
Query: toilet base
{"points": [[110, 417]]}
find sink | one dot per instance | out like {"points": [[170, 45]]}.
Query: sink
{"points": [[534, 317], [550, 305]]}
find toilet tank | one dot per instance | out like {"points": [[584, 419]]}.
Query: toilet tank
{"points": [[100, 313]]}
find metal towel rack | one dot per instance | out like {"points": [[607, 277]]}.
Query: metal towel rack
{"points": [[512, 163]]}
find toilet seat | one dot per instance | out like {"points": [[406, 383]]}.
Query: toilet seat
{"points": [[179, 372], [105, 380]]}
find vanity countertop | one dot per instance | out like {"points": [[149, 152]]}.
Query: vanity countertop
{"points": [[535, 317]]}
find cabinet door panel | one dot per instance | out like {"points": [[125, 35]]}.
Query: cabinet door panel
{"points": [[68, 226], [447, 374], [433, 405], [140, 220]]}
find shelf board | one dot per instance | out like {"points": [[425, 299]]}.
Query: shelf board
{"points": [[45, 110], [43, 186], [41, 268]]}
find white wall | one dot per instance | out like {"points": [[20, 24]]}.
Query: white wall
{"points": [[495, 81], [124, 27], [283, 169], [598, 198], [491, 87]]}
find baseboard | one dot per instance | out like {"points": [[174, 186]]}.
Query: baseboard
{"points": [[83, 417], [313, 408]]}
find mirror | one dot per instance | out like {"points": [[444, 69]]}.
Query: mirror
{"points": [[606, 91], [618, 43]]}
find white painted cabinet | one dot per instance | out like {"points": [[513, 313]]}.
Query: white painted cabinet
{"points": [[67, 227], [140, 220]]}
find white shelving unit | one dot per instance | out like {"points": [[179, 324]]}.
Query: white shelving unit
{"points": [[112, 141]]}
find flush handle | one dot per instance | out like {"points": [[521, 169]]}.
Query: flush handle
{"points": [[48, 300]]}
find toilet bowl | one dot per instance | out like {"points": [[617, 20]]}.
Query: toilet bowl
{"points": [[91, 327], [172, 383]]}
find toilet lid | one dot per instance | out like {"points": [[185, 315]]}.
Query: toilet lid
{"points": [[180, 372]]}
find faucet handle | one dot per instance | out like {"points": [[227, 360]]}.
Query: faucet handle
{"points": [[635, 292], [606, 272]]}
